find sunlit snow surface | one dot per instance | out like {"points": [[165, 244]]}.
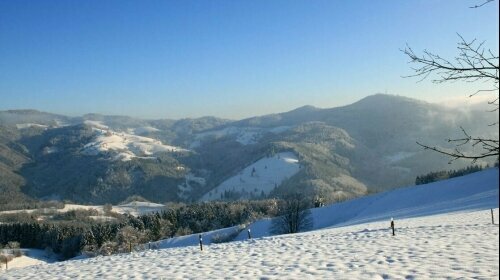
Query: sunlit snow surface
{"points": [[450, 246], [443, 231], [28, 125], [29, 257], [261, 176], [123, 145]]}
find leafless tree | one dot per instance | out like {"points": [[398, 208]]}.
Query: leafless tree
{"points": [[474, 63], [128, 237], [293, 215]]}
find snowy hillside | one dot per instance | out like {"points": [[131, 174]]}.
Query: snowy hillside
{"points": [[471, 192], [447, 246], [124, 146], [28, 125], [446, 223], [242, 135], [260, 177]]}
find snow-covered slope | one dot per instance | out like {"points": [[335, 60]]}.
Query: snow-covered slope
{"points": [[447, 246], [28, 125], [142, 130], [242, 135], [261, 176], [30, 257], [443, 230], [124, 146], [474, 191], [471, 192]]}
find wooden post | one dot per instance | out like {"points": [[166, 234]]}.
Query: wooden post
{"points": [[130, 247], [249, 234], [392, 226], [201, 242], [492, 217]]}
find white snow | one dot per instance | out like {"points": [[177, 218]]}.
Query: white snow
{"points": [[448, 246], [193, 239], [28, 125], [134, 208], [124, 146], [30, 257], [443, 231], [243, 135], [96, 124], [50, 150], [474, 191], [142, 130], [269, 172], [137, 208]]}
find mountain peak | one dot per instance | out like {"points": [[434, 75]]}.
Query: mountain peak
{"points": [[383, 100], [306, 108]]}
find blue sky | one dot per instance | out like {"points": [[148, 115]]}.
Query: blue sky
{"points": [[232, 59]]}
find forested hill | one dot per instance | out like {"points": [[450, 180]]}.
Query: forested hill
{"points": [[335, 153]]}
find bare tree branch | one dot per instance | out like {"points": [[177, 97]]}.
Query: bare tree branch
{"points": [[473, 63], [480, 5]]}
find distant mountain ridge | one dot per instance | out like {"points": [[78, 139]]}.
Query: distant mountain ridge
{"points": [[342, 152]]}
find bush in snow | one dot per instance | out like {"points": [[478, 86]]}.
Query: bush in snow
{"points": [[108, 248], [14, 247], [6, 258]]}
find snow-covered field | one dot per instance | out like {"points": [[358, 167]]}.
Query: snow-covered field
{"points": [[29, 257], [261, 176], [446, 246], [137, 208], [443, 231]]}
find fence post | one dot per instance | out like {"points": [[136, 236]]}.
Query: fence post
{"points": [[492, 217], [392, 226], [201, 242], [249, 234]]}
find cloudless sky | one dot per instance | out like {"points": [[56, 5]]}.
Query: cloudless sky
{"points": [[232, 59]]}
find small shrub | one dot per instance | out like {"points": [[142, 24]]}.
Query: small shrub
{"points": [[108, 248], [14, 247], [183, 231]]}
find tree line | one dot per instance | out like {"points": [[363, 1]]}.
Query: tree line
{"points": [[443, 175], [71, 236]]}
